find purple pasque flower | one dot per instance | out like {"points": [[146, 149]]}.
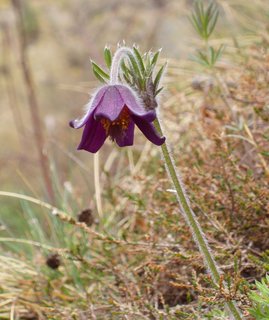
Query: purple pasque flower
{"points": [[113, 112]]}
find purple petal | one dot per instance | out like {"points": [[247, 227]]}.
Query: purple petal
{"points": [[90, 107], [130, 99], [127, 138], [148, 130], [93, 137], [133, 103], [111, 105], [149, 116]]}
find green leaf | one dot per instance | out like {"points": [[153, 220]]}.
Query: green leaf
{"points": [[204, 19], [220, 51], [100, 71], [126, 73], [265, 153], [203, 57], [127, 80], [213, 23], [98, 76], [207, 14], [108, 57], [212, 56], [154, 62], [208, 58], [135, 66], [139, 60], [124, 68], [199, 60], [135, 72], [158, 91], [158, 77], [195, 24], [215, 55], [148, 65], [155, 57]]}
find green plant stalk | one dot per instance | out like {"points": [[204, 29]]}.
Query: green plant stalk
{"points": [[194, 225]]}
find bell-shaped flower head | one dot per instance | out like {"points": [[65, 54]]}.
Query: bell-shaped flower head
{"points": [[113, 112]]}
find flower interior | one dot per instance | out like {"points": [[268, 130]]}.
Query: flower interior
{"points": [[117, 128]]}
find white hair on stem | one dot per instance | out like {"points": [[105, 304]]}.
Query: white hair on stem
{"points": [[193, 223], [116, 61]]}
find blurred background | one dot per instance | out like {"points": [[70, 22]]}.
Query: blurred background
{"points": [[46, 79], [61, 38]]}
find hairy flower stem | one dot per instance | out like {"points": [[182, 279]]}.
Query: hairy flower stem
{"points": [[115, 66], [194, 225]]}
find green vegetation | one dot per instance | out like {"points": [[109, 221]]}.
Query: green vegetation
{"points": [[261, 299]]}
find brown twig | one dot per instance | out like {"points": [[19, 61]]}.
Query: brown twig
{"points": [[32, 99], [9, 82]]}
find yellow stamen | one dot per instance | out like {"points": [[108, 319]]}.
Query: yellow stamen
{"points": [[122, 123]]}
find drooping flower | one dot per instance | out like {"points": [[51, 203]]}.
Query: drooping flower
{"points": [[113, 112]]}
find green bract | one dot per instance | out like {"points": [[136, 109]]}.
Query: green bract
{"points": [[137, 70]]}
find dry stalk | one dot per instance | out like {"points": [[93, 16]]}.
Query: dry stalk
{"points": [[32, 100]]}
